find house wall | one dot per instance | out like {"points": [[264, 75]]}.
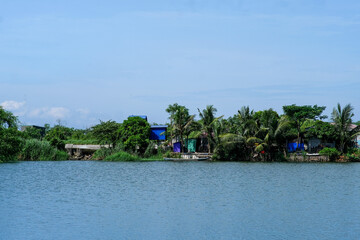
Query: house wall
{"points": [[157, 134]]}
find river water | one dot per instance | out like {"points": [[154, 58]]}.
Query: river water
{"points": [[179, 200]]}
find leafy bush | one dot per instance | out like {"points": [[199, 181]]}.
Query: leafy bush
{"points": [[10, 144], [332, 153], [354, 155], [57, 136], [122, 157], [169, 154], [102, 153], [151, 150], [36, 150], [134, 134], [232, 148], [60, 156]]}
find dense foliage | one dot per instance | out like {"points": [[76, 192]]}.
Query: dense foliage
{"points": [[122, 157], [247, 136], [134, 134], [106, 132], [10, 138], [57, 136], [332, 153], [41, 151]]}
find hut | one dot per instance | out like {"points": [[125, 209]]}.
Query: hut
{"points": [[157, 132]]}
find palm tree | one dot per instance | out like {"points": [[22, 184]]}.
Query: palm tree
{"points": [[247, 122], [267, 132], [342, 118], [180, 122], [207, 121]]}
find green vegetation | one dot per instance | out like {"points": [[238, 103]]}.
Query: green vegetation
{"points": [[180, 122], [332, 153], [106, 132], [300, 114], [34, 149], [10, 138], [207, 122], [122, 157], [342, 118], [134, 134], [246, 136], [353, 155]]}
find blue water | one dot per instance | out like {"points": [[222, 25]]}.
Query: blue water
{"points": [[187, 200]]}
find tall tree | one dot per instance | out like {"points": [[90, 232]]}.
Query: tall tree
{"points": [[58, 135], [299, 114], [342, 118], [247, 124], [180, 122], [207, 121], [10, 137], [134, 133], [106, 132]]}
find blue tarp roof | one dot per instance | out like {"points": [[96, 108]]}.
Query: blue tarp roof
{"points": [[159, 126]]}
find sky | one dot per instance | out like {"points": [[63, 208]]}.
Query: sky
{"points": [[82, 61]]}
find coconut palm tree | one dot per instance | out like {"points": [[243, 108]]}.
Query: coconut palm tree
{"points": [[207, 121], [267, 133], [342, 118], [180, 122], [247, 123]]}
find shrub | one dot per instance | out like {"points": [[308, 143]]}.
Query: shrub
{"points": [[102, 153], [151, 150], [121, 157], [61, 156], [332, 153], [354, 155], [41, 150], [170, 154]]}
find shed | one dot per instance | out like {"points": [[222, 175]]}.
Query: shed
{"points": [[157, 132], [41, 129]]}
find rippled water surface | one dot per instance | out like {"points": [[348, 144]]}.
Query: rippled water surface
{"points": [[181, 200]]}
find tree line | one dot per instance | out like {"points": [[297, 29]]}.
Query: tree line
{"points": [[247, 135]]}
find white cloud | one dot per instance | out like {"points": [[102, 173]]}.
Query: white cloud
{"points": [[83, 111], [58, 112], [12, 105], [54, 112]]}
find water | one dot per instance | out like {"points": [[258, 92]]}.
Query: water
{"points": [[187, 200]]}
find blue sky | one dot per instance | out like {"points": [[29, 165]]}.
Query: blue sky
{"points": [[85, 61]]}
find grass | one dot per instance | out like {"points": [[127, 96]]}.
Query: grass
{"points": [[36, 150], [122, 157], [157, 157]]}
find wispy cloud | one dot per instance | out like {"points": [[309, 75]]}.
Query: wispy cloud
{"points": [[12, 105], [83, 111], [53, 112]]}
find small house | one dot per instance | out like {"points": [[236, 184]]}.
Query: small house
{"points": [[157, 132], [41, 129]]}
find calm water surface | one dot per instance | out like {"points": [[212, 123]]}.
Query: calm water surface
{"points": [[186, 200]]}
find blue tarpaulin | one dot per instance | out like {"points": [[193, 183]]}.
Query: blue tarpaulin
{"points": [[158, 132], [177, 147], [291, 147]]}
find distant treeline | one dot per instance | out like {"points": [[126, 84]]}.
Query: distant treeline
{"points": [[248, 135]]}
